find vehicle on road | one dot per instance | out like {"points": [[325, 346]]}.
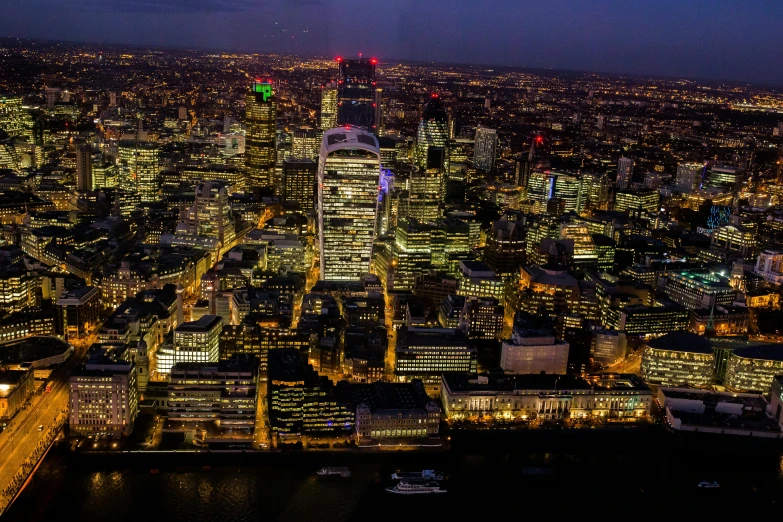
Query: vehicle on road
{"points": [[40, 427]]}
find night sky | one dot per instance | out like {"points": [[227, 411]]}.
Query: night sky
{"points": [[731, 39]]}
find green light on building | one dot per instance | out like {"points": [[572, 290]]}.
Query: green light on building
{"points": [[264, 88]]}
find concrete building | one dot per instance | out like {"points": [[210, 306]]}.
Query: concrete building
{"points": [[16, 386], [80, 310], [386, 410], [753, 368], [195, 341], [476, 279], [769, 265], [534, 351], [678, 359], [545, 397], [103, 394], [723, 413], [426, 353], [699, 288], [224, 392], [609, 347]]}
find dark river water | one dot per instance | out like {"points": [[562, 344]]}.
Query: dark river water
{"points": [[595, 474]]}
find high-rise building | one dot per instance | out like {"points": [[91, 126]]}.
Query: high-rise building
{"points": [[426, 188], [84, 167], [305, 144], [299, 182], [636, 200], [689, 176], [328, 119], [624, 172], [261, 136], [433, 132], [210, 216], [139, 163], [572, 189], [356, 93], [348, 184], [485, 151]]}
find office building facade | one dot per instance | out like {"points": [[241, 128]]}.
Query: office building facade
{"points": [[261, 136], [348, 185]]}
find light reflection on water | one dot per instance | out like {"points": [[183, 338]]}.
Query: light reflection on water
{"points": [[290, 493]]}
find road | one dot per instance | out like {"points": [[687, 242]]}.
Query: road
{"points": [[19, 441]]}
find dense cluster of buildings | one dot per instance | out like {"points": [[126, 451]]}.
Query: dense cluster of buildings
{"points": [[361, 250]]}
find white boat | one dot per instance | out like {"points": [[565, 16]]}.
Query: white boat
{"points": [[334, 471], [427, 474], [706, 484], [416, 487]]}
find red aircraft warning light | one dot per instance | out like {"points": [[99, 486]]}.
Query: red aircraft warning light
{"points": [[374, 61], [539, 139], [339, 59]]}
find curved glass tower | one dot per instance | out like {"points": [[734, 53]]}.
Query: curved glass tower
{"points": [[349, 173]]}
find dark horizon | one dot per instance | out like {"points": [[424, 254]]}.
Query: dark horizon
{"points": [[697, 40], [385, 60]]}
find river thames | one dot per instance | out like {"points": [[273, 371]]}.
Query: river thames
{"points": [[590, 474]]}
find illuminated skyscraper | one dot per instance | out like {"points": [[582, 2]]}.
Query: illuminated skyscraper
{"points": [[426, 187], [572, 190], [260, 140], [486, 149], [689, 176], [12, 115], [140, 169], [433, 130], [356, 93], [84, 167], [328, 107], [348, 184], [624, 172], [305, 144], [210, 216], [299, 182]]}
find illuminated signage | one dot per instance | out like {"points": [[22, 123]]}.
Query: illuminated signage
{"points": [[264, 88]]}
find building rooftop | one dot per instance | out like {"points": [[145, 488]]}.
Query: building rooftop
{"points": [[764, 352], [682, 342], [203, 324]]}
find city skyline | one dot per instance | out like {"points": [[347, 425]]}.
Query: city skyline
{"points": [[670, 39]]}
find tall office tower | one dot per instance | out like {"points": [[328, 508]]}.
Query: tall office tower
{"points": [[305, 144], [689, 176], [349, 173], [572, 189], [426, 187], [380, 105], [139, 163], [485, 149], [624, 172], [104, 175], [433, 130], [11, 114], [328, 107], [52, 96], [356, 93], [261, 137], [84, 167], [299, 182], [210, 216], [182, 113]]}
